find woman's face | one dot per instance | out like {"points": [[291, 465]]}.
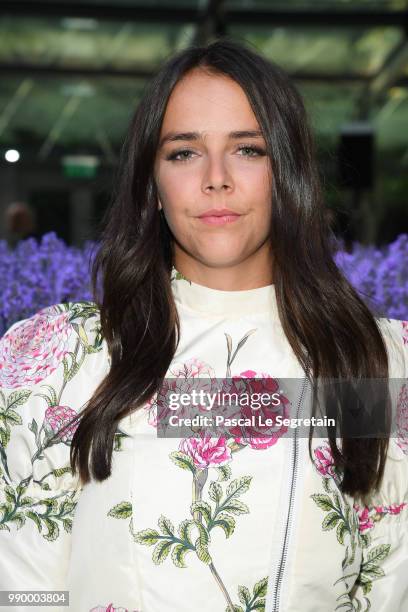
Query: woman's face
{"points": [[214, 169]]}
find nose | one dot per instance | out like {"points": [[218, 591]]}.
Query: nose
{"points": [[217, 177]]}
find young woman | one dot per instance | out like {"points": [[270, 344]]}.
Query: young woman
{"points": [[216, 268]]}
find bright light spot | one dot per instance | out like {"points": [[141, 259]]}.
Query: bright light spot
{"points": [[12, 155]]}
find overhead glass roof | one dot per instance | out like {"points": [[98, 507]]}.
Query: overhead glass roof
{"points": [[71, 73]]}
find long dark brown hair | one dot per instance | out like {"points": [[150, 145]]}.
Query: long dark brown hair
{"points": [[322, 315]]}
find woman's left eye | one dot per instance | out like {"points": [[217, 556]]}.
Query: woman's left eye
{"points": [[255, 152]]}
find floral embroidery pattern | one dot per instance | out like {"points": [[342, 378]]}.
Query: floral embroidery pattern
{"points": [[402, 419], [219, 504], [17, 507], [404, 331], [31, 352], [369, 515], [34, 349], [355, 526]]}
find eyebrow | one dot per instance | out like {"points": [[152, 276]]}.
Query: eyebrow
{"points": [[175, 136]]}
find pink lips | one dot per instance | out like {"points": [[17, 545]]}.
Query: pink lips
{"points": [[219, 216]]}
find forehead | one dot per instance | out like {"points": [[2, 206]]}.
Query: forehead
{"points": [[202, 101]]}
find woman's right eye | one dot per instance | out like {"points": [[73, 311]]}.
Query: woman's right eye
{"points": [[175, 156]]}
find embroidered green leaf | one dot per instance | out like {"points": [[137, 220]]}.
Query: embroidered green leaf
{"points": [[183, 461], [326, 484], [53, 395], [340, 532], [226, 522], [372, 572], [203, 507], [215, 492], [67, 506], [17, 398], [13, 418], [260, 588], [185, 529], [259, 605], [224, 472], [122, 510], [234, 609], [61, 471], [53, 529], [26, 501], [10, 494], [202, 552], [365, 539], [244, 595], [148, 537], [204, 536], [19, 519], [166, 526], [178, 555], [161, 551], [67, 523], [379, 553], [239, 486], [5, 437], [337, 502], [330, 521], [52, 505], [34, 517], [235, 506], [323, 501], [365, 582], [20, 489]]}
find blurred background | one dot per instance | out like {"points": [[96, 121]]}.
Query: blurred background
{"points": [[72, 72]]}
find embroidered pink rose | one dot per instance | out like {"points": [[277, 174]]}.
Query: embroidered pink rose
{"points": [[324, 461], [206, 451], [405, 331], [369, 515], [391, 509], [35, 348], [56, 417], [256, 435], [402, 419], [364, 519], [182, 378]]}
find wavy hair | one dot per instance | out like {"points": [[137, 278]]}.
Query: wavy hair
{"points": [[332, 332]]}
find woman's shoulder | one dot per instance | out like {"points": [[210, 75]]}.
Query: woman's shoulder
{"points": [[33, 348], [395, 334], [50, 364]]}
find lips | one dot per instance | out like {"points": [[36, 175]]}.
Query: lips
{"points": [[216, 212], [217, 217]]}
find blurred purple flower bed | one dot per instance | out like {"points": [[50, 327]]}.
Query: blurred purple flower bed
{"points": [[38, 274]]}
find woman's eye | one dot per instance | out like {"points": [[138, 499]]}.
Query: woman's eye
{"points": [[256, 150], [175, 156], [184, 154]]}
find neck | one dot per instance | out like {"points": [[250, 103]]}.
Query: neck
{"points": [[251, 273]]}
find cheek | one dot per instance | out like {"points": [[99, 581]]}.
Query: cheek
{"points": [[177, 192]]}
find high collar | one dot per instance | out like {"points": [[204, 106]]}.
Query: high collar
{"points": [[217, 302]]}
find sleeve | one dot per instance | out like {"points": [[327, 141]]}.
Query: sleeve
{"points": [[49, 364], [382, 582]]}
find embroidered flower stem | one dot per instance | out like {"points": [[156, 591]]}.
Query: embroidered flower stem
{"points": [[199, 480]]}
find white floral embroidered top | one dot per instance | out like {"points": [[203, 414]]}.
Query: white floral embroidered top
{"points": [[190, 524]]}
